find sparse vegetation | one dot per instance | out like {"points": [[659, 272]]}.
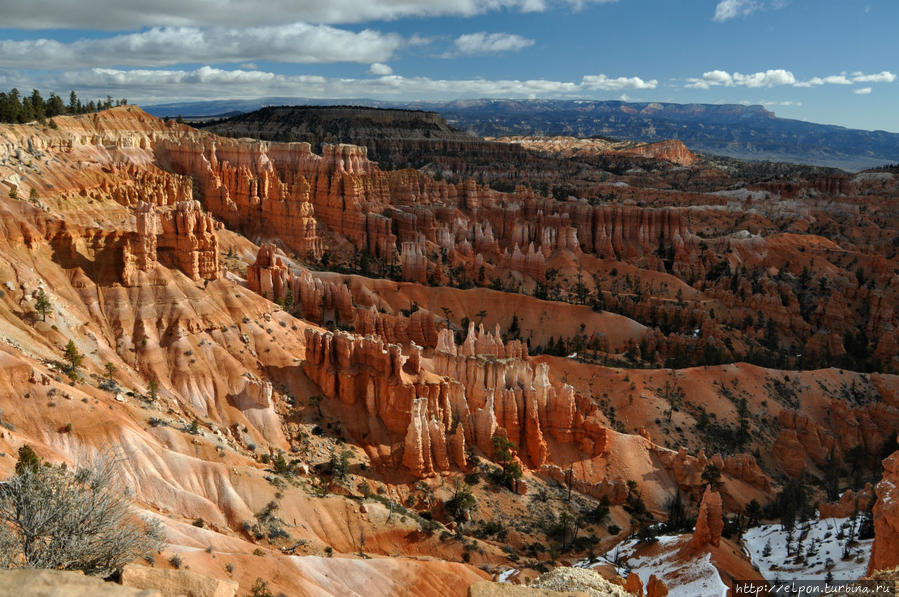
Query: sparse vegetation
{"points": [[42, 303], [71, 519], [74, 358]]}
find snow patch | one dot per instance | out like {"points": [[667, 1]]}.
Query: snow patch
{"points": [[696, 576], [742, 194], [816, 548], [505, 575], [873, 177]]}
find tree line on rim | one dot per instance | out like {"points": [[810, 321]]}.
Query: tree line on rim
{"points": [[15, 108]]}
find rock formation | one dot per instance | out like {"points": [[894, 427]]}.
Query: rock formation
{"points": [[684, 304], [885, 551], [29, 582], [656, 587], [849, 503], [709, 522], [483, 388], [634, 585], [187, 241], [177, 582]]}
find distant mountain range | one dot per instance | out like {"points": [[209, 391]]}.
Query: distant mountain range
{"points": [[744, 132]]}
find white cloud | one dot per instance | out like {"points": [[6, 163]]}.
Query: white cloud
{"points": [[379, 68], [862, 91], [151, 86], [720, 78], [490, 43], [784, 103], [769, 78], [164, 46], [779, 76], [602, 82], [881, 77], [731, 9], [829, 80], [117, 15]]}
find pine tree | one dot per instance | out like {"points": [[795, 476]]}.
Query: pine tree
{"points": [[42, 304], [74, 106], [73, 356]]}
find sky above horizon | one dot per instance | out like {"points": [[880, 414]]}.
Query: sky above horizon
{"points": [[827, 61]]}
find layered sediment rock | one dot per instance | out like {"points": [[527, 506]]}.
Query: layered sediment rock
{"points": [[885, 551], [482, 388], [709, 522], [312, 298], [322, 301], [182, 238], [403, 415], [187, 241]]}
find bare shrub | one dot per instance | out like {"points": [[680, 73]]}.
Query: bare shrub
{"points": [[55, 517]]}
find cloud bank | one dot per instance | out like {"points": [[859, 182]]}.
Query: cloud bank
{"points": [[153, 85], [165, 46], [490, 43], [779, 76], [118, 15]]}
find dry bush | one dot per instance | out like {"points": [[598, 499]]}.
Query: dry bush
{"points": [[55, 517]]}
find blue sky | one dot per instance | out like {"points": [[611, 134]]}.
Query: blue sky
{"points": [[829, 61]]}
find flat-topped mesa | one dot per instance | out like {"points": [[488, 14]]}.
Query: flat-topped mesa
{"points": [[121, 128], [181, 238], [671, 150], [314, 299]]}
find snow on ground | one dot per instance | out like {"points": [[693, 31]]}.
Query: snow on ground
{"points": [[505, 575], [742, 194], [814, 549], [873, 177], [697, 576]]}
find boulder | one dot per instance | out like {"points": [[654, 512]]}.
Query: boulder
{"points": [[177, 582], [24, 582]]}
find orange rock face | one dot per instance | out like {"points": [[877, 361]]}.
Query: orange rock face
{"points": [[709, 522], [475, 391], [634, 585], [849, 503], [187, 241], [672, 151], [885, 551], [656, 587], [124, 233]]}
